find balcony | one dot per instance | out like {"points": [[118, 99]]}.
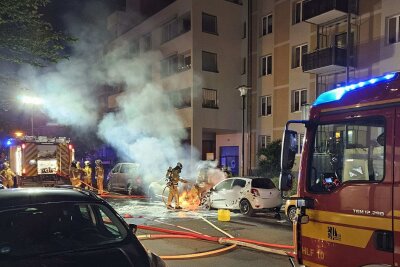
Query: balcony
{"points": [[326, 61], [323, 11]]}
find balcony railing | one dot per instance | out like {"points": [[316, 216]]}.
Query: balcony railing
{"points": [[326, 60], [323, 11]]}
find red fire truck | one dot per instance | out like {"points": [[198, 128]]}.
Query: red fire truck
{"points": [[40, 159], [348, 195]]}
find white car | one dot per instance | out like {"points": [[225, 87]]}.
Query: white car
{"points": [[245, 194]]}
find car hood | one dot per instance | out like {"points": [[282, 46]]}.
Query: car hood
{"points": [[103, 257]]}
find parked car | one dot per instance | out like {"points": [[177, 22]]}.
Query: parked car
{"points": [[125, 177], [290, 209], [245, 194], [66, 227]]}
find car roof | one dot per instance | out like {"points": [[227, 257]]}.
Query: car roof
{"points": [[29, 196]]}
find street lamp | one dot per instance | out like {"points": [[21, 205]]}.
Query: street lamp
{"points": [[33, 101], [243, 92]]}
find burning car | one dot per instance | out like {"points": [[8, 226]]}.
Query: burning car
{"points": [[247, 195]]}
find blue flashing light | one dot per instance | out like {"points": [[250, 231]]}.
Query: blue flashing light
{"points": [[9, 142], [338, 93]]}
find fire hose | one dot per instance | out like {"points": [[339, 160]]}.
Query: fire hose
{"points": [[233, 242]]}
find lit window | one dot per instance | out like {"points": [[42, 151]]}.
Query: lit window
{"points": [[266, 105], [267, 25], [299, 98], [266, 65], [297, 55], [393, 30], [185, 61]]}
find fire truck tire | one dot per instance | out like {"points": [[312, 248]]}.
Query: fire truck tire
{"points": [[246, 208], [291, 213]]}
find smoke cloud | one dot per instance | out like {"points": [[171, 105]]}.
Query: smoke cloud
{"points": [[144, 128]]}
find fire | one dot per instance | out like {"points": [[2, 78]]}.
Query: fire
{"points": [[189, 199]]}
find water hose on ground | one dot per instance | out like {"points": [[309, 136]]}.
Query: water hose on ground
{"points": [[261, 246]]}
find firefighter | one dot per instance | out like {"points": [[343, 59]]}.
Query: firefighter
{"points": [[99, 175], [174, 179], [7, 175], [75, 174], [227, 172], [87, 175]]}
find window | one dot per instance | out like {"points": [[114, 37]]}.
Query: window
{"points": [[239, 183], [266, 65], [210, 98], [146, 42], [393, 29], [224, 185], [299, 98], [209, 23], [244, 66], [176, 27], [262, 183], [169, 65], [209, 61], [266, 25], [297, 55], [264, 140], [348, 151], [181, 98], [185, 61], [297, 12], [169, 30], [266, 105]]}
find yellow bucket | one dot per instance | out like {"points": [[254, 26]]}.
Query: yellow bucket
{"points": [[224, 215]]}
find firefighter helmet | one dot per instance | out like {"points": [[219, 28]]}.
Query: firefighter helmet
{"points": [[179, 165], [98, 162], [87, 163], [6, 164]]}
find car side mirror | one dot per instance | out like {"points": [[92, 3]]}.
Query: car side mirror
{"points": [[289, 149], [133, 228]]}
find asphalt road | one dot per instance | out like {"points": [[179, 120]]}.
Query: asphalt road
{"points": [[262, 227]]}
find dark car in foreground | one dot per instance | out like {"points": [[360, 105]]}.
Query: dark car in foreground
{"points": [[66, 227]]}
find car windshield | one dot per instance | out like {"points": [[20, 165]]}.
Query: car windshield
{"points": [[262, 183], [129, 168], [54, 228]]}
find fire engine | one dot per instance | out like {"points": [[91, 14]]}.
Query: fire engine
{"points": [[348, 194], [41, 159]]}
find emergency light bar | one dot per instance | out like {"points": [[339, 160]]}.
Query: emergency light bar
{"points": [[338, 93]]}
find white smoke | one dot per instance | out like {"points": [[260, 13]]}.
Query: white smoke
{"points": [[144, 127]]}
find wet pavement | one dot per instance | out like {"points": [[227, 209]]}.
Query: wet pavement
{"points": [[262, 227]]}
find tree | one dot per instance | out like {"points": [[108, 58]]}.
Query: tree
{"points": [[269, 163], [25, 37]]}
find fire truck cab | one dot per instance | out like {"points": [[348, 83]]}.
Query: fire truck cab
{"points": [[41, 160], [348, 204]]}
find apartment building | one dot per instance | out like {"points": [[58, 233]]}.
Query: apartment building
{"points": [[304, 49], [200, 64], [287, 51]]}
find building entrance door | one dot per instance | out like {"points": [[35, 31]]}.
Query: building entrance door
{"points": [[229, 157]]}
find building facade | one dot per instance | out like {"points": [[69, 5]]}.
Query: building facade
{"points": [[287, 51]]}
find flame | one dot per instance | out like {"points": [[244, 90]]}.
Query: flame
{"points": [[189, 199]]}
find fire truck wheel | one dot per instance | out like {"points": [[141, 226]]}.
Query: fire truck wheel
{"points": [[291, 214], [246, 208]]}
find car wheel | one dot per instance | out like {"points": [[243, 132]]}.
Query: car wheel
{"points": [[246, 208], [109, 187], [291, 214]]}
